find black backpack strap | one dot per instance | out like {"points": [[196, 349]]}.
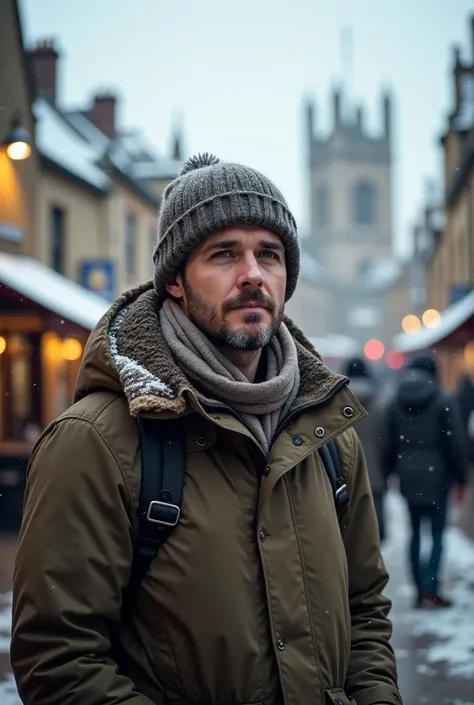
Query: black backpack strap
{"points": [[163, 459], [332, 464]]}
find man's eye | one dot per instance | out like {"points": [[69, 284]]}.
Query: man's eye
{"points": [[222, 254], [269, 254]]}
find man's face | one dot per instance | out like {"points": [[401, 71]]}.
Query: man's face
{"points": [[233, 287]]}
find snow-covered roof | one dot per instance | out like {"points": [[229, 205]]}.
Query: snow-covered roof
{"points": [[451, 319], [88, 130], [51, 290], [129, 150], [60, 143], [162, 168]]}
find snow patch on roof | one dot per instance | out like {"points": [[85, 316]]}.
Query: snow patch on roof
{"points": [[88, 130], [60, 143], [161, 168], [51, 290]]}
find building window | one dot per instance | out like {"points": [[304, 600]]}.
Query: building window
{"points": [[20, 400], [130, 245], [58, 240], [322, 206], [363, 203]]}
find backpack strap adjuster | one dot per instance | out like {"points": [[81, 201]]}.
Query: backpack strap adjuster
{"points": [[163, 513], [342, 494]]}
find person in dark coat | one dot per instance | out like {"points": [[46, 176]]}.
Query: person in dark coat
{"points": [[364, 387], [424, 444], [466, 406]]}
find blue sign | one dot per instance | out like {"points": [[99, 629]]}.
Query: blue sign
{"points": [[11, 233], [99, 276]]}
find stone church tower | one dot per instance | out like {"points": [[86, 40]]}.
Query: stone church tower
{"points": [[350, 191], [350, 197]]}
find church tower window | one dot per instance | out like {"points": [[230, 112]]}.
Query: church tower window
{"points": [[363, 203]]}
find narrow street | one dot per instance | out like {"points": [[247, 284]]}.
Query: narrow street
{"points": [[435, 649]]}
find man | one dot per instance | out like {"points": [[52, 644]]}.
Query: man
{"points": [[259, 595], [424, 445], [364, 387]]}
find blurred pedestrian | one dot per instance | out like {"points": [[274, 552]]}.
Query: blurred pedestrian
{"points": [[264, 589], [424, 444], [466, 407], [365, 388]]}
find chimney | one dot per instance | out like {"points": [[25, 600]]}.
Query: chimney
{"points": [[43, 61], [103, 112], [336, 103]]}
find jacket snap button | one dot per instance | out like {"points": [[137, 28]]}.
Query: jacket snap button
{"points": [[262, 535], [348, 412], [266, 471], [319, 432], [280, 645], [201, 441], [338, 702], [297, 441]]}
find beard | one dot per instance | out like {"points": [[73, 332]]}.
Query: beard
{"points": [[213, 324]]}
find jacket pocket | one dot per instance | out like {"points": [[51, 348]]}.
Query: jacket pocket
{"points": [[337, 696]]}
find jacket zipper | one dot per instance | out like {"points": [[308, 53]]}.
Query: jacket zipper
{"points": [[224, 407], [342, 383]]}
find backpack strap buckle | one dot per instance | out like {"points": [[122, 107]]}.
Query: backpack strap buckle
{"points": [[163, 513]]}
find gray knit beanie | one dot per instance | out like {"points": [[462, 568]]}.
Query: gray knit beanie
{"points": [[209, 196]]}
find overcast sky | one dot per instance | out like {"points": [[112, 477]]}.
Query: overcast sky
{"points": [[236, 74]]}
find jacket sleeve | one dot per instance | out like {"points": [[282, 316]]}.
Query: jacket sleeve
{"points": [[73, 560], [372, 673], [454, 441]]}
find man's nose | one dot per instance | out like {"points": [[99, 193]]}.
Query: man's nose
{"points": [[250, 276]]}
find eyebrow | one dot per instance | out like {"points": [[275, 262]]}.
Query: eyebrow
{"points": [[226, 244], [272, 245]]}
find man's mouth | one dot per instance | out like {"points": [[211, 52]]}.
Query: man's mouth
{"points": [[251, 304]]}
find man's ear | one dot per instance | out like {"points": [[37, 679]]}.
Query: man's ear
{"points": [[175, 286]]}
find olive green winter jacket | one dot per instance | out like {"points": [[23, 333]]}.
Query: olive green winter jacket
{"points": [[260, 596]]}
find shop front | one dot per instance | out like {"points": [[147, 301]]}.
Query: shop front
{"points": [[45, 320]]}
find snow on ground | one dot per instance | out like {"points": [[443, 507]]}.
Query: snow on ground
{"points": [[8, 692], [449, 633], [5, 622]]}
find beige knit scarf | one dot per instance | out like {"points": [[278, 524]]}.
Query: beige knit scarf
{"points": [[261, 405]]}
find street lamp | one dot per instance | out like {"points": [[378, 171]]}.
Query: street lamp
{"points": [[17, 140], [431, 318], [411, 324]]}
